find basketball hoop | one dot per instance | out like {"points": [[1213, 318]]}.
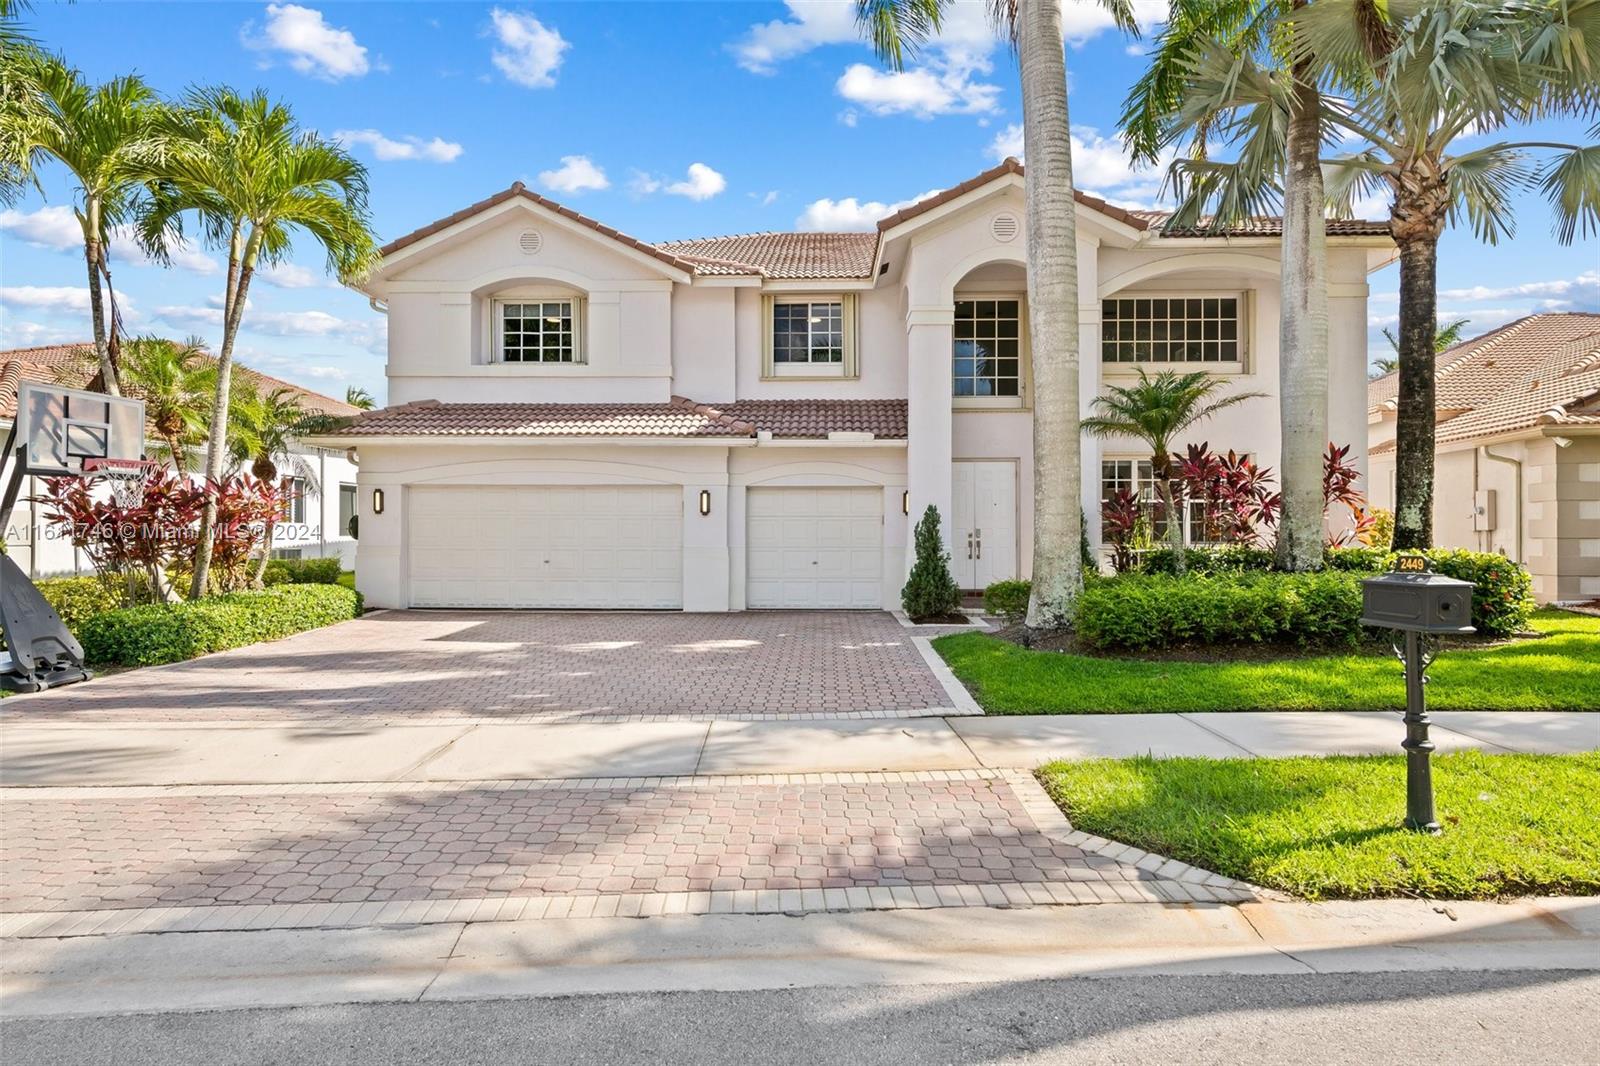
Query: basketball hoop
{"points": [[124, 477]]}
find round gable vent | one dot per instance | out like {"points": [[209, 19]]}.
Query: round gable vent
{"points": [[1005, 228], [530, 242]]}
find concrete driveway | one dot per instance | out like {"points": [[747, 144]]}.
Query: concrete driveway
{"points": [[536, 666]]}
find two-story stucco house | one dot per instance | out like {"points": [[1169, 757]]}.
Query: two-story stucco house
{"points": [[582, 419]]}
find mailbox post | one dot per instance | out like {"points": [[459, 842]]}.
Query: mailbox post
{"points": [[1413, 600]]}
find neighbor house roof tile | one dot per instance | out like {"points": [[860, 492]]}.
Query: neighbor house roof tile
{"points": [[678, 418]]}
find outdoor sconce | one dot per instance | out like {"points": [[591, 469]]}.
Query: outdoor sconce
{"points": [[905, 502], [377, 501], [705, 501]]}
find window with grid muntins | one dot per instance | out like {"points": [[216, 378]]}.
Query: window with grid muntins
{"points": [[1170, 329], [1138, 477], [808, 332], [988, 348], [538, 332]]}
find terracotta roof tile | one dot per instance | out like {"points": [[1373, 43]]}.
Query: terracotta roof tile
{"points": [[679, 418], [782, 255], [1262, 226], [1540, 370]]}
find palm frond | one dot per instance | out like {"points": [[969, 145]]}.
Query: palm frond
{"points": [[1482, 185], [1571, 182], [1346, 179], [899, 28]]}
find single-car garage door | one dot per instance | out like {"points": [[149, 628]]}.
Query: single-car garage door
{"points": [[814, 547], [546, 546]]}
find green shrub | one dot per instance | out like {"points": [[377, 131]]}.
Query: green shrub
{"points": [[275, 573], [322, 571], [168, 633], [1357, 559], [930, 591], [1502, 599], [1008, 600], [1224, 559], [1142, 611], [77, 599]]}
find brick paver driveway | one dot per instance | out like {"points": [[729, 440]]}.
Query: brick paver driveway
{"points": [[508, 665]]}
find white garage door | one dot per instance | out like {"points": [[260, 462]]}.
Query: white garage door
{"points": [[546, 546], [814, 548]]}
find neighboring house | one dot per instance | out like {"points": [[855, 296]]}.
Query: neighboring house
{"points": [[1517, 466], [582, 419], [319, 521]]}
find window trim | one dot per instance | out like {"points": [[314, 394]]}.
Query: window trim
{"points": [[1024, 399], [355, 506], [1241, 365], [580, 349], [847, 369], [298, 490]]}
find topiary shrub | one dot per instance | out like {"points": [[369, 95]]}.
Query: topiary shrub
{"points": [[1142, 611], [1008, 600], [169, 633], [930, 591], [1221, 559]]}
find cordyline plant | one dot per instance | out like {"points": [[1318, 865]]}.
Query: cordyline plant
{"points": [[1121, 520], [1238, 502], [1339, 478]]}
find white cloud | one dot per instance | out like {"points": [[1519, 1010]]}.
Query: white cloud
{"points": [[809, 25], [576, 174], [324, 373], [1007, 143], [643, 183], [1100, 165], [435, 150], [923, 92], [767, 198], [312, 46], [367, 333], [291, 276], [18, 333], [48, 297], [48, 227], [702, 183], [530, 52], [1581, 291], [827, 215]]}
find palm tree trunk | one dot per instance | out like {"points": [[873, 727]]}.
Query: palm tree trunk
{"points": [[1414, 423], [1052, 316], [1303, 335], [97, 316], [216, 445], [259, 571], [1161, 467]]}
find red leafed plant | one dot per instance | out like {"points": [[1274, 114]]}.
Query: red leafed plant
{"points": [[1238, 503], [1339, 479], [245, 506], [1119, 524]]}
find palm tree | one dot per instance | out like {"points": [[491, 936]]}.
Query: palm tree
{"points": [[102, 135], [1158, 410], [356, 396], [21, 104], [263, 429], [175, 381], [898, 27], [1454, 71], [1445, 336], [252, 178]]}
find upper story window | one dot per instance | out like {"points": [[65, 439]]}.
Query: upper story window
{"points": [[1171, 329], [987, 358], [537, 331], [810, 336]]}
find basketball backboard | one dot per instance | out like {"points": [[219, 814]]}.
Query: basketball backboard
{"points": [[57, 428]]}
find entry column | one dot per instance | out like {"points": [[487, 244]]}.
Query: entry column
{"points": [[929, 334]]}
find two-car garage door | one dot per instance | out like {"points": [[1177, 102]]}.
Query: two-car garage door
{"points": [[602, 546], [599, 546]]}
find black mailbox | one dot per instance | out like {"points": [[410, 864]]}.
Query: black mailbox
{"points": [[1412, 597]]}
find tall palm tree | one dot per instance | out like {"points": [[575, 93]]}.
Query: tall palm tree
{"points": [[263, 427], [251, 177], [175, 381], [356, 396], [21, 103], [1158, 410], [897, 28], [1452, 71], [102, 135]]}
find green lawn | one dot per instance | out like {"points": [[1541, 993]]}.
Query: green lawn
{"points": [[1330, 828], [1561, 671]]}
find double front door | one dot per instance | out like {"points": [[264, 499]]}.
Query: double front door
{"points": [[984, 522]]}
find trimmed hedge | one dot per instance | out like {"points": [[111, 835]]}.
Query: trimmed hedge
{"points": [[78, 599], [169, 633], [319, 571], [1008, 600], [1141, 611], [1227, 559]]}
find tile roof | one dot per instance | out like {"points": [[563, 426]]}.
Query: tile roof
{"points": [[1540, 370], [72, 365], [678, 418], [782, 255], [1009, 165], [1262, 226]]}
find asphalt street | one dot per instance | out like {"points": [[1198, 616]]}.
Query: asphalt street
{"points": [[1522, 1016]]}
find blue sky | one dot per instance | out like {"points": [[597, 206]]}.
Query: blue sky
{"points": [[666, 120]]}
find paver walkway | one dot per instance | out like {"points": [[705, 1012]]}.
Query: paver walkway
{"points": [[529, 665]]}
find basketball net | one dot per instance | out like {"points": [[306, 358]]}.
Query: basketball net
{"points": [[123, 477]]}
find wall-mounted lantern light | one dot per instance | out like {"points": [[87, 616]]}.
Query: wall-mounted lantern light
{"points": [[905, 502], [377, 501], [705, 501]]}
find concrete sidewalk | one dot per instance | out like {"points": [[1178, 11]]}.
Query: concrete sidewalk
{"points": [[81, 755], [565, 957]]}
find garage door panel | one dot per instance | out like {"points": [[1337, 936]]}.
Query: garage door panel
{"points": [[814, 547], [534, 546]]}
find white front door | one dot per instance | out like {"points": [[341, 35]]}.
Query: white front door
{"points": [[984, 525], [813, 548], [546, 546]]}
